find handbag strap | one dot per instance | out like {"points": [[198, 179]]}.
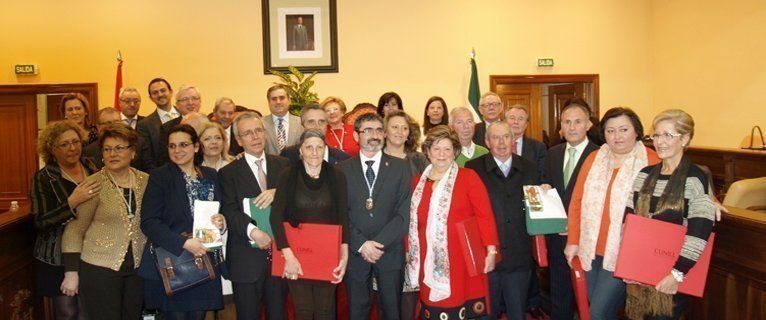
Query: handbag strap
{"points": [[752, 137]]}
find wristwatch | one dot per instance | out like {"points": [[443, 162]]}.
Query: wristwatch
{"points": [[678, 275]]}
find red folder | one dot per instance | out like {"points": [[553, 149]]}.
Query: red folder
{"points": [[317, 247], [473, 249], [580, 289], [540, 250], [650, 248]]}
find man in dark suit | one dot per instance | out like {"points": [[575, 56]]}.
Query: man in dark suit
{"points": [[254, 175], [563, 165], [224, 112], [535, 151], [491, 109], [149, 128], [130, 102], [314, 117], [188, 101], [379, 208], [504, 174], [107, 116]]}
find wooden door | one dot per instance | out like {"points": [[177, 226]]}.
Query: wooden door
{"points": [[527, 94], [557, 95], [18, 129]]}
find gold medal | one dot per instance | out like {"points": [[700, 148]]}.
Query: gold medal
{"points": [[368, 204]]}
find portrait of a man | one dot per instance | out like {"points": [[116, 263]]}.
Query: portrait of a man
{"points": [[301, 32]]}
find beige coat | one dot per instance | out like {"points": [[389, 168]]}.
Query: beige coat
{"points": [[102, 230]]}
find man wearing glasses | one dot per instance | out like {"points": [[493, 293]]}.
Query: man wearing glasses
{"points": [[188, 102], [130, 102], [378, 209], [107, 116], [248, 254], [491, 109]]}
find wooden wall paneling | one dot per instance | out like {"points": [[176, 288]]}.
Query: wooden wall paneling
{"points": [[17, 290], [17, 152], [729, 165]]}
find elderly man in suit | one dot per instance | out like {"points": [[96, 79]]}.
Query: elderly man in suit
{"points": [[130, 102], [491, 109], [535, 151], [188, 101], [504, 174], [248, 259], [149, 128], [314, 117], [224, 112], [563, 164], [283, 129], [378, 209]]}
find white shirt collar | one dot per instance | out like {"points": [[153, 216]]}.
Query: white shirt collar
{"points": [[469, 150], [327, 154], [250, 159], [580, 147], [375, 158], [507, 163], [162, 113]]}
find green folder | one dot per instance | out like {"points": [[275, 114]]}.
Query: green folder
{"points": [[262, 217]]}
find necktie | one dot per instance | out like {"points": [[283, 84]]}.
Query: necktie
{"points": [[261, 175], [569, 167], [129, 122], [167, 117], [505, 168], [281, 134], [514, 145], [369, 173]]}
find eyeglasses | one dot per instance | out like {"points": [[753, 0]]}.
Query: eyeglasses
{"points": [[188, 99], [182, 145], [370, 131], [117, 149], [315, 123], [491, 104], [667, 136], [131, 101], [68, 144], [251, 133]]}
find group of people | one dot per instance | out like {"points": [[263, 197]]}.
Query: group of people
{"points": [[99, 215]]}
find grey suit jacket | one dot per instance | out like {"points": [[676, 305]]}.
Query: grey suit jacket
{"points": [[389, 218], [149, 129], [293, 133]]}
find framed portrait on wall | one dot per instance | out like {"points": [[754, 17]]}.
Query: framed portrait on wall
{"points": [[300, 33]]}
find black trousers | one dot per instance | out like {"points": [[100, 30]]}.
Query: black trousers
{"points": [[562, 293], [359, 290], [312, 301], [250, 298], [111, 295]]}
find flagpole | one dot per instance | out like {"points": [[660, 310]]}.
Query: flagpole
{"points": [[118, 81]]}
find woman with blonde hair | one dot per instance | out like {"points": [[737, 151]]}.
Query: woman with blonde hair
{"points": [[675, 191], [74, 106], [213, 141]]}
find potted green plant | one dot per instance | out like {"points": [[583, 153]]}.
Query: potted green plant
{"points": [[299, 89]]}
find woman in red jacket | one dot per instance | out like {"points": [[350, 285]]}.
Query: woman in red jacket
{"points": [[445, 195]]}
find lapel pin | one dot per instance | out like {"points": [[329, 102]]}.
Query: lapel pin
{"points": [[386, 163]]}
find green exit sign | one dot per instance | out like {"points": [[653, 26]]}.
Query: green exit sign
{"points": [[26, 69], [545, 62]]}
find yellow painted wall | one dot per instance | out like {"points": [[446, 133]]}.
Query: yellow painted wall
{"points": [[709, 58], [417, 48]]}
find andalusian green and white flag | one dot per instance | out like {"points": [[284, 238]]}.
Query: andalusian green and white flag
{"points": [[474, 94]]}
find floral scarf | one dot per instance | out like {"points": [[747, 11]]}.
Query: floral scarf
{"points": [[436, 265]]}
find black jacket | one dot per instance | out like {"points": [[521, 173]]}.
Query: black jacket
{"points": [[507, 198]]}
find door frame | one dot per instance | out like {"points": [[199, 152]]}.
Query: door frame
{"points": [[535, 116], [91, 89]]}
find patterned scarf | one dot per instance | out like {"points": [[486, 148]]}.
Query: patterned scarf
{"points": [[436, 265], [645, 300], [594, 200]]}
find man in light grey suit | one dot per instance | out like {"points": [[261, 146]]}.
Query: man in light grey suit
{"points": [[378, 218], [282, 128]]}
